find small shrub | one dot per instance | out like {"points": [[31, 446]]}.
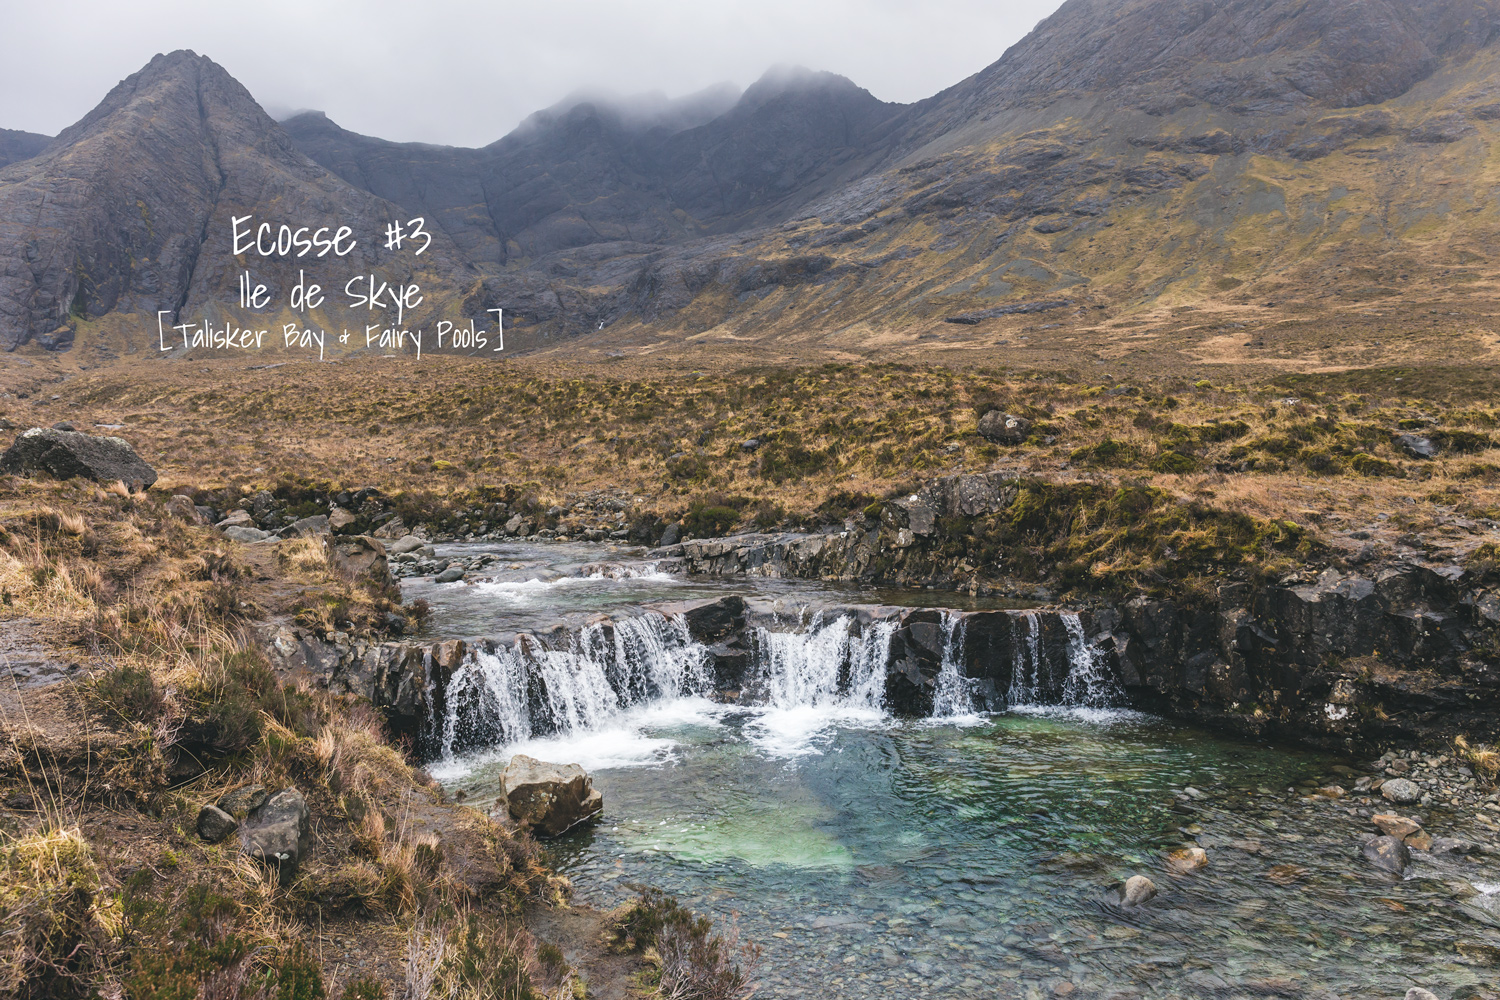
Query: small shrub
{"points": [[128, 694], [1174, 463], [709, 521], [1368, 465], [364, 988]]}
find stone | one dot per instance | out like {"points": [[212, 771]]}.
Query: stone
{"points": [[1452, 845], [1187, 859], [214, 824], [339, 518], [237, 519], [1417, 993], [1387, 853], [672, 535], [394, 528], [749, 444], [408, 543], [276, 832], [1401, 791], [1395, 826], [69, 454], [307, 527], [1004, 428], [452, 574], [1417, 446], [1138, 889], [549, 798], [361, 557], [241, 533], [240, 802], [182, 507], [1420, 841]]}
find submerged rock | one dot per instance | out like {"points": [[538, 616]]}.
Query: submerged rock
{"points": [[1187, 859], [1401, 791], [69, 454], [1417, 993], [1395, 826], [549, 798], [1138, 889], [1387, 853]]}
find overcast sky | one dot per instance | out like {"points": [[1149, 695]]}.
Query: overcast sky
{"points": [[467, 71]]}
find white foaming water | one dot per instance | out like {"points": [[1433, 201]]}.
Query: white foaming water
{"points": [[1090, 683], [509, 696], [953, 702], [1027, 666], [815, 680]]}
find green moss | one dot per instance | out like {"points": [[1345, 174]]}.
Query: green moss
{"points": [[1368, 465]]}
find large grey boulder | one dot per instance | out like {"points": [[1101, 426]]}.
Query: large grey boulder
{"points": [[276, 831], [549, 798], [1004, 428], [69, 454]]}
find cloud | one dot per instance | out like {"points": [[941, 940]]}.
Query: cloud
{"points": [[466, 72]]}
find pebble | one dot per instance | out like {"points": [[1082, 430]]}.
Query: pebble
{"points": [[1138, 889], [1187, 859], [1396, 826]]}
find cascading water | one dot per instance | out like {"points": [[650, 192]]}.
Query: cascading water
{"points": [[824, 669], [828, 665], [1090, 682], [511, 694], [954, 697]]}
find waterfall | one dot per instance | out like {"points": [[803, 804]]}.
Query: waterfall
{"points": [[810, 666], [1027, 665], [827, 665], [955, 691], [514, 693], [1090, 683]]}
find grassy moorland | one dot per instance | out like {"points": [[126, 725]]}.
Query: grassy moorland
{"points": [[1315, 456]]}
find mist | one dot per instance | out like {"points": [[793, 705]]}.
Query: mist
{"points": [[462, 72]]}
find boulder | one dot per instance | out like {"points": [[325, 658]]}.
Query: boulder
{"points": [[214, 824], [1417, 993], [1395, 826], [1387, 853], [66, 454], [1401, 791], [1417, 446], [1004, 428], [183, 507], [240, 802], [361, 557], [1138, 889], [394, 528], [241, 533], [549, 798], [407, 543], [236, 519], [307, 527], [452, 574], [339, 518], [276, 831], [672, 535]]}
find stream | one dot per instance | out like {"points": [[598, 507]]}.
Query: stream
{"points": [[969, 854]]}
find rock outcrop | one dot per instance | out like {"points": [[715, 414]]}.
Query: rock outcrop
{"points": [[549, 799], [66, 454]]}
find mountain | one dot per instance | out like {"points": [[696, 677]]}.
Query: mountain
{"points": [[128, 212], [1190, 167], [594, 171], [16, 145]]}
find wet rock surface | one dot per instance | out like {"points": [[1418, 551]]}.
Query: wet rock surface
{"points": [[549, 799]]}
